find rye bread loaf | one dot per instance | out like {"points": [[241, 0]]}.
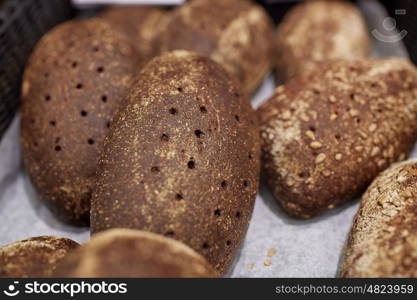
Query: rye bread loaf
{"points": [[235, 33], [34, 257], [142, 24], [134, 253], [383, 239], [181, 158], [75, 79], [325, 135], [314, 31]]}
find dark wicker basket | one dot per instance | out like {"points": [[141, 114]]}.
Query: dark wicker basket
{"points": [[408, 22], [22, 23]]}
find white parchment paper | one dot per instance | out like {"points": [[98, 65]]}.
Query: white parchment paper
{"points": [[275, 246]]}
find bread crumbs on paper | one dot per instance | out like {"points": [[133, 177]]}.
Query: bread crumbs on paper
{"points": [[271, 252], [267, 262]]}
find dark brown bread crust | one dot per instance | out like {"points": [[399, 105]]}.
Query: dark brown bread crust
{"points": [[75, 79], [142, 24], [236, 33], [327, 134], [314, 31], [134, 253], [383, 239], [182, 158], [34, 257]]}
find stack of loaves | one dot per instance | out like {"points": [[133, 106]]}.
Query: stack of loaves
{"points": [[137, 122]]}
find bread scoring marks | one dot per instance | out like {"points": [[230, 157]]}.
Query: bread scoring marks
{"points": [[383, 240]]}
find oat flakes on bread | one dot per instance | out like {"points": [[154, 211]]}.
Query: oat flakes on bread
{"points": [[327, 134], [383, 238]]}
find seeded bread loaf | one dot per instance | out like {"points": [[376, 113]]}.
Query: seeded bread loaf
{"points": [[181, 158], [325, 135], [383, 239], [134, 253], [74, 81], [235, 33], [34, 257], [142, 24], [314, 31]]}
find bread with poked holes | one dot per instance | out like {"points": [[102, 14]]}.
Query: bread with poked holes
{"points": [[181, 158], [76, 77]]}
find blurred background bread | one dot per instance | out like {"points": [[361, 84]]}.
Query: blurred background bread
{"points": [[314, 31], [383, 238], [75, 79], [34, 257], [133, 253], [328, 133], [235, 33], [142, 24]]}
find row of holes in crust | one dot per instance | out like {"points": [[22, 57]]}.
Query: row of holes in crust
{"points": [[48, 97], [74, 64], [165, 137], [83, 113], [78, 86], [203, 109], [172, 110], [59, 148], [191, 165], [206, 245]]}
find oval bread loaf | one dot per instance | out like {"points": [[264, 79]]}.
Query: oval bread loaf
{"points": [[182, 158], [319, 30], [327, 134], [134, 253], [34, 257], [383, 239], [236, 33], [76, 77], [142, 24]]}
